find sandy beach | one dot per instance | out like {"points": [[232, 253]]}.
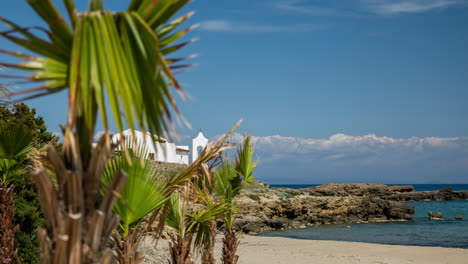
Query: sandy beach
{"points": [[269, 250], [279, 250]]}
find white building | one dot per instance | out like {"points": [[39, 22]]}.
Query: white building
{"points": [[198, 145], [162, 150]]}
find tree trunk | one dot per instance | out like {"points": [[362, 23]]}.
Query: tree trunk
{"points": [[8, 254], [230, 244], [179, 248], [79, 220], [208, 249], [127, 248]]}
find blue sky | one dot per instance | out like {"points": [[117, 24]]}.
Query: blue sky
{"points": [[333, 91]]}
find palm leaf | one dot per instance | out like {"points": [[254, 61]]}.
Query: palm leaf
{"points": [[95, 5], [201, 221], [63, 36], [245, 163], [16, 141], [113, 64], [176, 214], [143, 192]]}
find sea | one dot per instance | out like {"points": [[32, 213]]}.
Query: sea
{"points": [[419, 232]]}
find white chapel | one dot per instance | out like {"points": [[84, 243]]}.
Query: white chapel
{"points": [[164, 151]]}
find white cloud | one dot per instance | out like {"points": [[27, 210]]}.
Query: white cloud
{"points": [[381, 7], [230, 26], [389, 7], [301, 6], [366, 149]]}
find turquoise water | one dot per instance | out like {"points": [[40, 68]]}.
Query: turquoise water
{"points": [[419, 232]]}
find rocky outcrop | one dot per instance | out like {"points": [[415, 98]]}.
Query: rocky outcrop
{"points": [[357, 189], [394, 193], [435, 215], [429, 196], [263, 209], [276, 208]]}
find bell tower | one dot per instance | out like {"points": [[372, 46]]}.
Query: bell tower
{"points": [[198, 145]]}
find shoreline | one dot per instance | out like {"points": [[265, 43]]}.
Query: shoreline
{"points": [[282, 250], [265, 250], [263, 208]]}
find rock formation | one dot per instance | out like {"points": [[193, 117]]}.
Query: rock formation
{"points": [[435, 215], [263, 209], [395, 193], [278, 208]]}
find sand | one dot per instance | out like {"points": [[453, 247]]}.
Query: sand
{"points": [[270, 250]]}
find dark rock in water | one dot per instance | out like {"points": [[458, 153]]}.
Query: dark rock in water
{"points": [[253, 228], [458, 217], [279, 223], [435, 215], [399, 211], [446, 189]]}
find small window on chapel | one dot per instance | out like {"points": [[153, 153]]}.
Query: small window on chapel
{"points": [[151, 156], [199, 150]]}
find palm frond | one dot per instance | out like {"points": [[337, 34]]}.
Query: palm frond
{"points": [[62, 34], [245, 163], [144, 190], [95, 5], [176, 214], [16, 141], [113, 64], [228, 181], [201, 222]]}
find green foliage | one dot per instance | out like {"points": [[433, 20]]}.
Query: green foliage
{"points": [[176, 214], [245, 163], [16, 141], [227, 181], [201, 222], [230, 179], [113, 64], [196, 223], [144, 190], [29, 217], [21, 113], [27, 209]]}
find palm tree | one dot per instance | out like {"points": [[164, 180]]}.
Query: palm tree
{"points": [[105, 60], [189, 226], [146, 191], [229, 180], [228, 185], [16, 141]]}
